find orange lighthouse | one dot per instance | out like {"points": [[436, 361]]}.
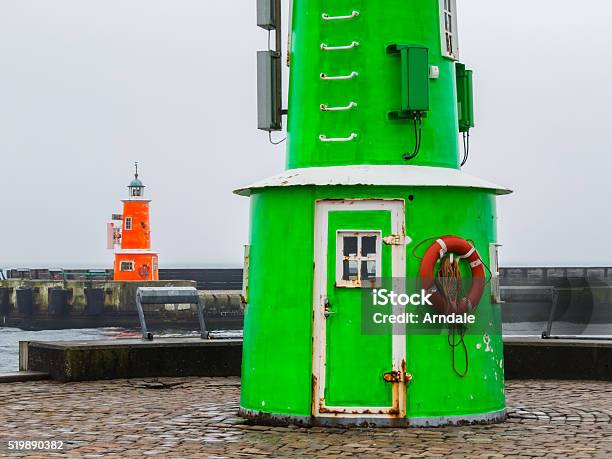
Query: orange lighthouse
{"points": [[134, 261]]}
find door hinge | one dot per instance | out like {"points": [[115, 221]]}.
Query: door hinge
{"points": [[397, 239], [394, 239], [397, 377]]}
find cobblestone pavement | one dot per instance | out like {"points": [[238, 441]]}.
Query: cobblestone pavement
{"points": [[196, 417]]}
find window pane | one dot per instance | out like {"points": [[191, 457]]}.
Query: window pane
{"points": [[126, 266], [350, 269], [368, 246], [350, 246], [368, 270]]}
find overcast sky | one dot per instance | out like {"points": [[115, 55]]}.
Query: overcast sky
{"points": [[89, 86]]}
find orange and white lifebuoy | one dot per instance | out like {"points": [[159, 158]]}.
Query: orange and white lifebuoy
{"points": [[144, 271], [464, 251]]}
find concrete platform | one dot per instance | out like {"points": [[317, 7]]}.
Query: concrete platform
{"points": [[132, 358], [23, 376], [525, 358], [561, 359]]}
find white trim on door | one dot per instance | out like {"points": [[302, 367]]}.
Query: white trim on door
{"points": [[398, 263]]}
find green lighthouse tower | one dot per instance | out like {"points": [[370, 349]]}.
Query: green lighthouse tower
{"points": [[377, 103]]}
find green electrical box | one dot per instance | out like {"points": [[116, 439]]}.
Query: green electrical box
{"points": [[414, 63], [465, 98]]}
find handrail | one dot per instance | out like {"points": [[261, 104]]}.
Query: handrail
{"points": [[326, 108], [324, 138], [325, 47], [327, 17], [326, 77]]}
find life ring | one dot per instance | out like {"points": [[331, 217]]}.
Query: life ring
{"points": [[144, 271], [464, 251]]}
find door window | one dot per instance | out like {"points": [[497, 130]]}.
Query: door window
{"points": [[358, 258]]}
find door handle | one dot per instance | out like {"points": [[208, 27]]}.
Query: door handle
{"points": [[327, 305]]}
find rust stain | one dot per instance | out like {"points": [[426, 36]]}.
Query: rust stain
{"points": [[355, 283], [314, 391]]}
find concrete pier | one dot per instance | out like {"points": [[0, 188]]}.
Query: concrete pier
{"points": [[132, 358], [524, 358], [61, 304]]}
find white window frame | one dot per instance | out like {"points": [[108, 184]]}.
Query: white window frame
{"points": [[448, 18], [132, 264], [358, 257], [128, 224]]}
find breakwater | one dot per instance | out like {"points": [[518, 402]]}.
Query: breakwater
{"points": [[34, 304], [582, 295]]}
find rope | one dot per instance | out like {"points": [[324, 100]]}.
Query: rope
{"points": [[433, 238], [449, 284]]}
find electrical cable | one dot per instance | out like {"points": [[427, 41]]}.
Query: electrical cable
{"points": [[454, 344], [418, 134], [275, 142], [466, 147]]}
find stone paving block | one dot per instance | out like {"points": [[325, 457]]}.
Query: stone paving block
{"points": [[197, 417]]}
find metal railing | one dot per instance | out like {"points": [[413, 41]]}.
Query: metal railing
{"points": [[169, 295], [567, 304]]}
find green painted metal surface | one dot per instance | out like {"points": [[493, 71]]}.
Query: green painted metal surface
{"points": [[277, 373], [414, 68], [355, 360], [376, 90], [465, 98], [277, 365]]}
